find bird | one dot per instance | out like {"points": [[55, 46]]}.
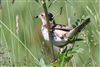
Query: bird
{"points": [[60, 34]]}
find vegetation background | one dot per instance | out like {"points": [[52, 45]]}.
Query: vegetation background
{"points": [[21, 43]]}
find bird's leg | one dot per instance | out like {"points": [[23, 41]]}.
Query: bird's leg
{"points": [[62, 49], [68, 47]]}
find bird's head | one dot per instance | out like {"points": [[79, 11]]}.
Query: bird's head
{"points": [[43, 17]]}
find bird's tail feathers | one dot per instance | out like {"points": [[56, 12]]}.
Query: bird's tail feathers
{"points": [[78, 28]]}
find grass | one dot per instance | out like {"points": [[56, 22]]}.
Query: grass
{"points": [[26, 47]]}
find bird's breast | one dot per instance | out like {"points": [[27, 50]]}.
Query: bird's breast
{"points": [[45, 33]]}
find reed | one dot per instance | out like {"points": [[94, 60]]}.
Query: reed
{"points": [[22, 37]]}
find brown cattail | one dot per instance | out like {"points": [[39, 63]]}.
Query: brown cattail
{"points": [[17, 24]]}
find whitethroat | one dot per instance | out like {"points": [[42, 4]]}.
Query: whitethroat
{"points": [[60, 33]]}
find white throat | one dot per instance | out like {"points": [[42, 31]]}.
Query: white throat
{"points": [[44, 22]]}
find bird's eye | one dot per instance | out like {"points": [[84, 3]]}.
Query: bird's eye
{"points": [[41, 14]]}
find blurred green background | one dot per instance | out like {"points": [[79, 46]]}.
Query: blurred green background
{"points": [[25, 46]]}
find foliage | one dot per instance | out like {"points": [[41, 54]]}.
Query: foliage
{"points": [[23, 45]]}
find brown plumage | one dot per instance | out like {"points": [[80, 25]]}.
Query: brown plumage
{"points": [[60, 33]]}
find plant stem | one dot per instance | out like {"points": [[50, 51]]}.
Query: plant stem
{"points": [[0, 5], [48, 25]]}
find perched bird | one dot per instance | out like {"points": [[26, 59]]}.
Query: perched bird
{"points": [[60, 33]]}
